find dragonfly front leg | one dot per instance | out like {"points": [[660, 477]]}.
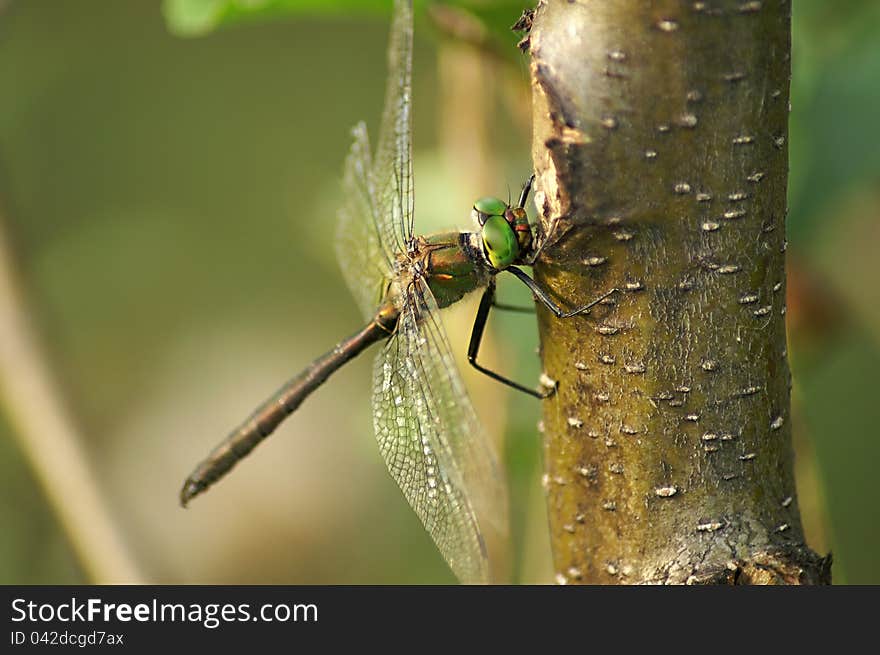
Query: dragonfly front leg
{"points": [[524, 194], [486, 304], [513, 308], [544, 297]]}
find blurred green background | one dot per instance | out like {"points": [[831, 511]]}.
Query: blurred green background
{"points": [[170, 206]]}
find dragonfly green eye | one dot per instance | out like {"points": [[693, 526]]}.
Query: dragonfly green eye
{"points": [[488, 206], [499, 242]]}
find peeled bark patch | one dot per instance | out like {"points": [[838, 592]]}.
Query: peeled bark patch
{"points": [[660, 147]]}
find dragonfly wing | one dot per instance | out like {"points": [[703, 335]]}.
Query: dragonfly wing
{"points": [[364, 255], [432, 441], [376, 221], [393, 164]]}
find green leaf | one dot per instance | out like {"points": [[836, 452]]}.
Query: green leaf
{"points": [[189, 18], [200, 17]]}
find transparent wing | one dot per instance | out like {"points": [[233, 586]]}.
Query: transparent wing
{"points": [[392, 171], [432, 442], [375, 223], [364, 256]]}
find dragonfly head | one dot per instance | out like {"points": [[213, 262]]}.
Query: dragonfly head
{"points": [[506, 233]]}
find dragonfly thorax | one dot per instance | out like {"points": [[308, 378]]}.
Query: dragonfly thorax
{"points": [[455, 263], [452, 264]]}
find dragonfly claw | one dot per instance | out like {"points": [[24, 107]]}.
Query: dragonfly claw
{"points": [[549, 385]]}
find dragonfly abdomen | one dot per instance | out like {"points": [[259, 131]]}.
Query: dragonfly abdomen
{"points": [[268, 416]]}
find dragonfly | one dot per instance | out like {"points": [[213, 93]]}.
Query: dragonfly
{"points": [[428, 433]]}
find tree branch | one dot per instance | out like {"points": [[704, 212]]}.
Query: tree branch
{"points": [[660, 146]]}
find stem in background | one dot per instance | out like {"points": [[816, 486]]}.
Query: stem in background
{"points": [[49, 441], [660, 147]]}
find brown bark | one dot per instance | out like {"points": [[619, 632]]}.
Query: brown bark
{"points": [[660, 146]]}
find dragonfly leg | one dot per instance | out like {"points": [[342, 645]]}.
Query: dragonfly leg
{"points": [[486, 304], [541, 239], [544, 297], [524, 195], [513, 308]]}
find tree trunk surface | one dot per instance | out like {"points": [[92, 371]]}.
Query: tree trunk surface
{"points": [[660, 147]]}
